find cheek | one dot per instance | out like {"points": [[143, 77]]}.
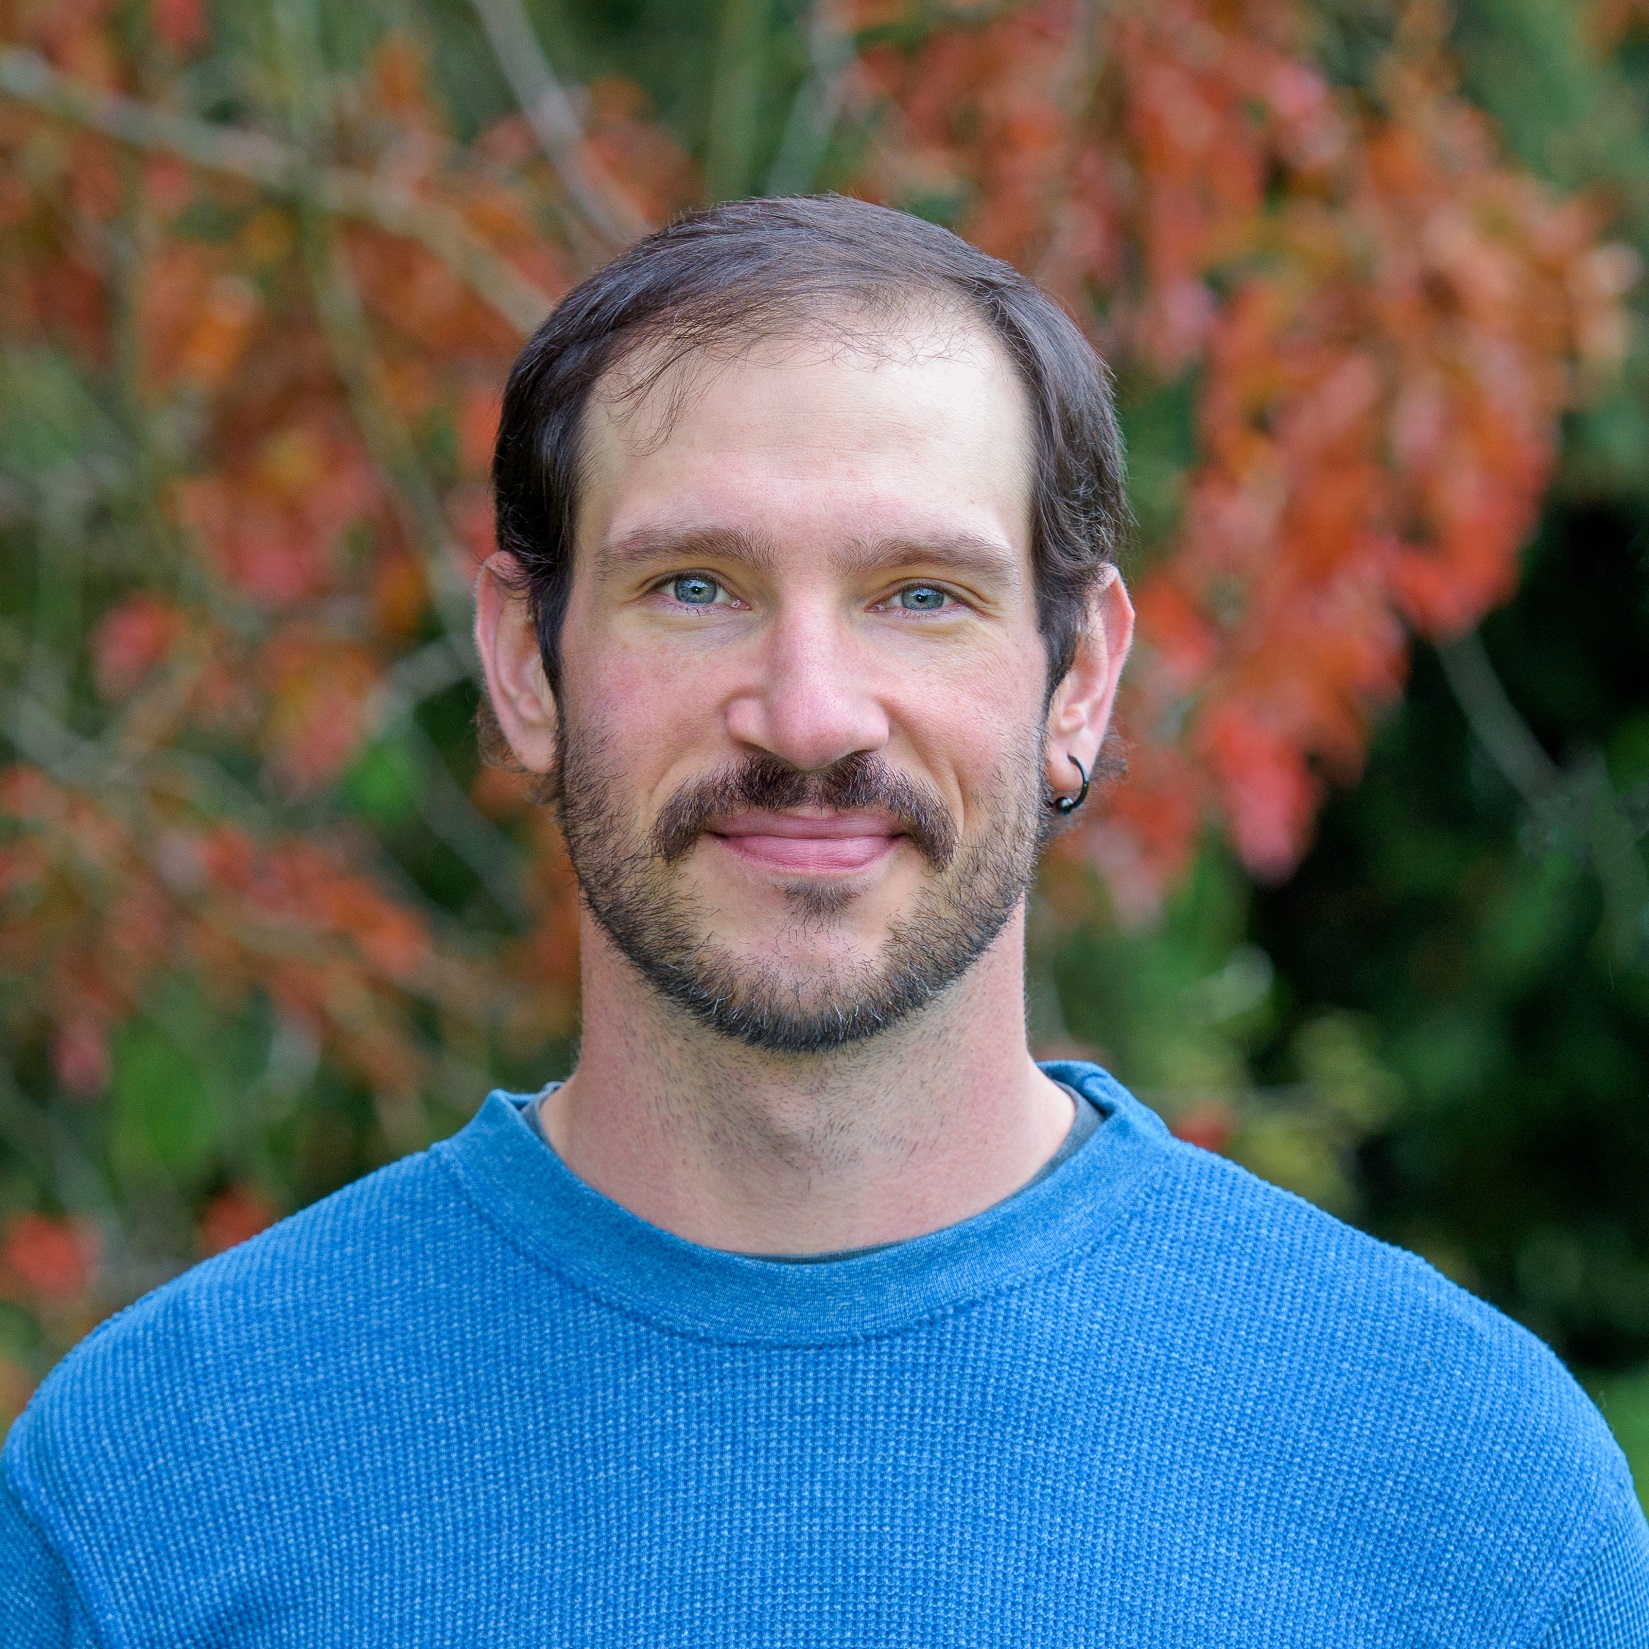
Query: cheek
{"points": [[657, 717], [974, 731]]}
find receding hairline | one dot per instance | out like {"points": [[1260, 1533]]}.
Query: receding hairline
{"points": [[717, 281], [932, 331], [679, 354]]}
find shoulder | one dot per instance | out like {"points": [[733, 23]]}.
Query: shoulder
{"points": [[298, 1269], [1309, 1285], [1448, 1428], [156, 1391], [162, 1451]]}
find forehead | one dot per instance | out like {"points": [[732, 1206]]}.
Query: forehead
{"points": [[817, 439]]}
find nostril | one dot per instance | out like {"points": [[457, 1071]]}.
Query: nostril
{"points": [[808, 721]]}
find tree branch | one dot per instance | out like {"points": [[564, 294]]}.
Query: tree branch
{"points": [[255, 158], [597, 199], [343, 325], [735, 97], [817, 105], [1580, 799], [1502, 732], [442, 802]]}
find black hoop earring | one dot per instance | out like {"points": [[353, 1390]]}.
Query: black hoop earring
{"points": [[1069, 804]]}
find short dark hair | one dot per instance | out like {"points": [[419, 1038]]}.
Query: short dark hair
{"points": [[750, 269]]}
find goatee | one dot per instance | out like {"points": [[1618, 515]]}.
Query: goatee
{"points": [[632, 884]]}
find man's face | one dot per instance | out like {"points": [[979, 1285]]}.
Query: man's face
{"points": [[803, 685]]}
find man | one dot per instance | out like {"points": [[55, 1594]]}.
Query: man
{"points": [[809, 1310]]}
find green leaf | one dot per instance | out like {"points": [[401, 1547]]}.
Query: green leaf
{"points": [[164, 1119]]}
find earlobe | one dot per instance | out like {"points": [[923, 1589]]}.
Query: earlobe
{"points": [[1067, 805], [507, 643]]}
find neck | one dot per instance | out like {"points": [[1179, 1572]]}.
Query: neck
{"points": [[737, 1148]]}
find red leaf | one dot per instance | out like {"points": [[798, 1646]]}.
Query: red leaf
{"points": [[80, 1056], [53, 1260], [130, 640], [1208, 1124], [180, 23], [233, 1215]]}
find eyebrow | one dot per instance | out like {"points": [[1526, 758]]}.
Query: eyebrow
{"points": [[962, 552], [648, 544]]}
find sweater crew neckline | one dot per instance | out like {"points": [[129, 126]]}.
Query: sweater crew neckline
{"points": [[533, 1199]]}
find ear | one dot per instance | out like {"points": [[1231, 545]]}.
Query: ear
{"points": [[1080, 711], [508, 644]]}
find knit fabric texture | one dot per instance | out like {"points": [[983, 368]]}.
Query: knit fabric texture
{"points": [[1149, 1402]]}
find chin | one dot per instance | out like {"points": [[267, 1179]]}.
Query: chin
{"points": [[820, 922], [862, 907], [805, 959]]}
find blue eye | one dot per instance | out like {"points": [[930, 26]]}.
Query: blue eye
{"points": [[922, 598], [694, 590]]}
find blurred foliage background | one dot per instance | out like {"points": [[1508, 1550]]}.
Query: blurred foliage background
{"points": [[1371, 912]]}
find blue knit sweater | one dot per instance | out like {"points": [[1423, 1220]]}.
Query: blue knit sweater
{"points": [[1151, 1402]]}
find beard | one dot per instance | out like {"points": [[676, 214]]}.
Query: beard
{"points": [[632, 884]]}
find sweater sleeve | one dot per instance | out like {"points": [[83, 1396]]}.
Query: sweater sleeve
{"points": [[1609, 1605], [38, 1606]]}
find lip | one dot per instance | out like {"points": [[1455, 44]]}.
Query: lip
{"points": [[799, 844]]}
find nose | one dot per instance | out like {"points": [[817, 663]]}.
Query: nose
{"points": [[811, 701]]}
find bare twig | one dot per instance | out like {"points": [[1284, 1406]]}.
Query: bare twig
{"points": [[41, 1132], [1580, 799], [1611, 843], [817, 105], [254, 157], [435, 667], [451, 817], [348, 337], [735, 98], [446, 810], [343, 322], [597, 199], [1076, 90], [1501, 731], [203, 785], [442, 802]]}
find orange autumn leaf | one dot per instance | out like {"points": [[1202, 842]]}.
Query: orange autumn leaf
{"points": [[80, 1055], [180, 23], [49, 1261], [1388, 321], [233, 1215], [131, 640], [317, 691]]}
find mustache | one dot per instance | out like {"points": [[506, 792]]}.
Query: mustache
{"points": [[764, 783]]}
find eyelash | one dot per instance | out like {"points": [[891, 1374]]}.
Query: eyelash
{"points": [[664, 587], [951, 600]]}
